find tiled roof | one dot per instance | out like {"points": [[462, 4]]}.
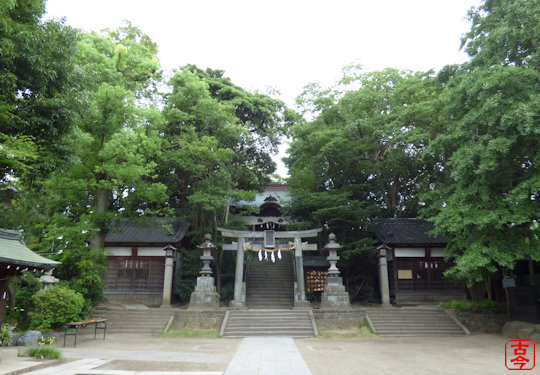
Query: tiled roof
{"points": [[155, 230], [406, 231], [14, 251]]}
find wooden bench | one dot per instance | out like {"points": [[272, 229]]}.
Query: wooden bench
{"points": [[72, 329]]}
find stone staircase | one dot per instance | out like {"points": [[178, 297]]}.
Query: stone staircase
{"points": [[270, 299], [270, 285], [141, 321], [411, 322], [289, 323]]}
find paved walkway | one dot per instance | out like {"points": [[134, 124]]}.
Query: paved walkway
{"points": [[147, 355], [268, 356]]}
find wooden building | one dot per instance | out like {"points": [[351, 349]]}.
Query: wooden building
{"points": [[16, 258], [137, 259], [415, 262]]}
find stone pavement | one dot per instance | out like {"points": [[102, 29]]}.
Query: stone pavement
{"points": [[268, 356], [147, 355]]}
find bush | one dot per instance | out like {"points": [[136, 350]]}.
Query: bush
{"points": [[54, 307], [44, 352], [5, 336], [84, 271]]}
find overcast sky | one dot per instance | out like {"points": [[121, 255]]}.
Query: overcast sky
{"points": [[285, 44]]}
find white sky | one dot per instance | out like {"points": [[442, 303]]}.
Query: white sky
{"points": [[286, 44]]}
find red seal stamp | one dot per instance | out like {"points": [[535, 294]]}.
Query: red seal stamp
{"points": [[519, 355]]}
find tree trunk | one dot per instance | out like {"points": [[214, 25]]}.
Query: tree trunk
{"points": [[531, 272], [101, 204], [487, 281], [12, 298]]}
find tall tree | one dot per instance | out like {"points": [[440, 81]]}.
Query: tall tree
{"points": [[363, 156], [488, 206], [115, 137], [36, 90], [219, 141]]}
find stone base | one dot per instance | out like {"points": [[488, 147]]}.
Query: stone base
{"points": [[302, 305], [204, 296], [237, 305], [334, 296]]}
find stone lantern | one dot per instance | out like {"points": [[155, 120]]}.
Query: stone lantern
{"points": [[204, 296], [207, 257], [47, 279], [334, 296], [332, 247]]}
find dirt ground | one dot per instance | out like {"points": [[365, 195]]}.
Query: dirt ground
{"points": [[463, 355]]}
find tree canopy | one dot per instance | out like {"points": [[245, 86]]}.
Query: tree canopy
{"points": [[92, 131]]}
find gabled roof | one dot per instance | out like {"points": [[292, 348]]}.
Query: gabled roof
{"points": [[153, 230], [13, 251], [406, 232]]}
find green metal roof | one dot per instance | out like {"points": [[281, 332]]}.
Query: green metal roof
{"points": [[14, 251]]}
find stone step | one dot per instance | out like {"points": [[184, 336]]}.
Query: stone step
{"points": [[395, 322], [134, 321], [268, 322]]}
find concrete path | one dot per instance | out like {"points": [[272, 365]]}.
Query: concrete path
{"points": [[268, 356]]}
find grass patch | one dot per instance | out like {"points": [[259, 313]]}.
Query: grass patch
{"points": [[190, 333], [468, 305], [44, 352], [345, 333]]}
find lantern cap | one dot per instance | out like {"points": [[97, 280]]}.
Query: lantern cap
{"points": [[332, 244], [207, 244]]}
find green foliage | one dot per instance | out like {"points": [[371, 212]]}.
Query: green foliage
{"points": [[5, 336], [44, 352], [187, 277], [361, 157], [463, 304], [504, 32], [42, 341], [84, 272], [36, 87], [24, 288], [56, 306], [487, 202]]}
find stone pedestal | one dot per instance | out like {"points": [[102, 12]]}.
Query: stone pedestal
{"points": [[334, 296], [240, 303], [204, 296]]}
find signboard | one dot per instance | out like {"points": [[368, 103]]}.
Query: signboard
{"points": [[508, 283], [404, 274]]}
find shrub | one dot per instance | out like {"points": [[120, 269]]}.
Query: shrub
{"points": [[464, 304], [44, 352], [42, 341], [54, 307], [84, 271], [5, 336]]}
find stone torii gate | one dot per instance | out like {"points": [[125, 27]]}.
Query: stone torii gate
{"points": [[265, 237]]}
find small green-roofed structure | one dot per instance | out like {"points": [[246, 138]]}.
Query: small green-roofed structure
{"points": [[15, 258], [13, 251]]}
